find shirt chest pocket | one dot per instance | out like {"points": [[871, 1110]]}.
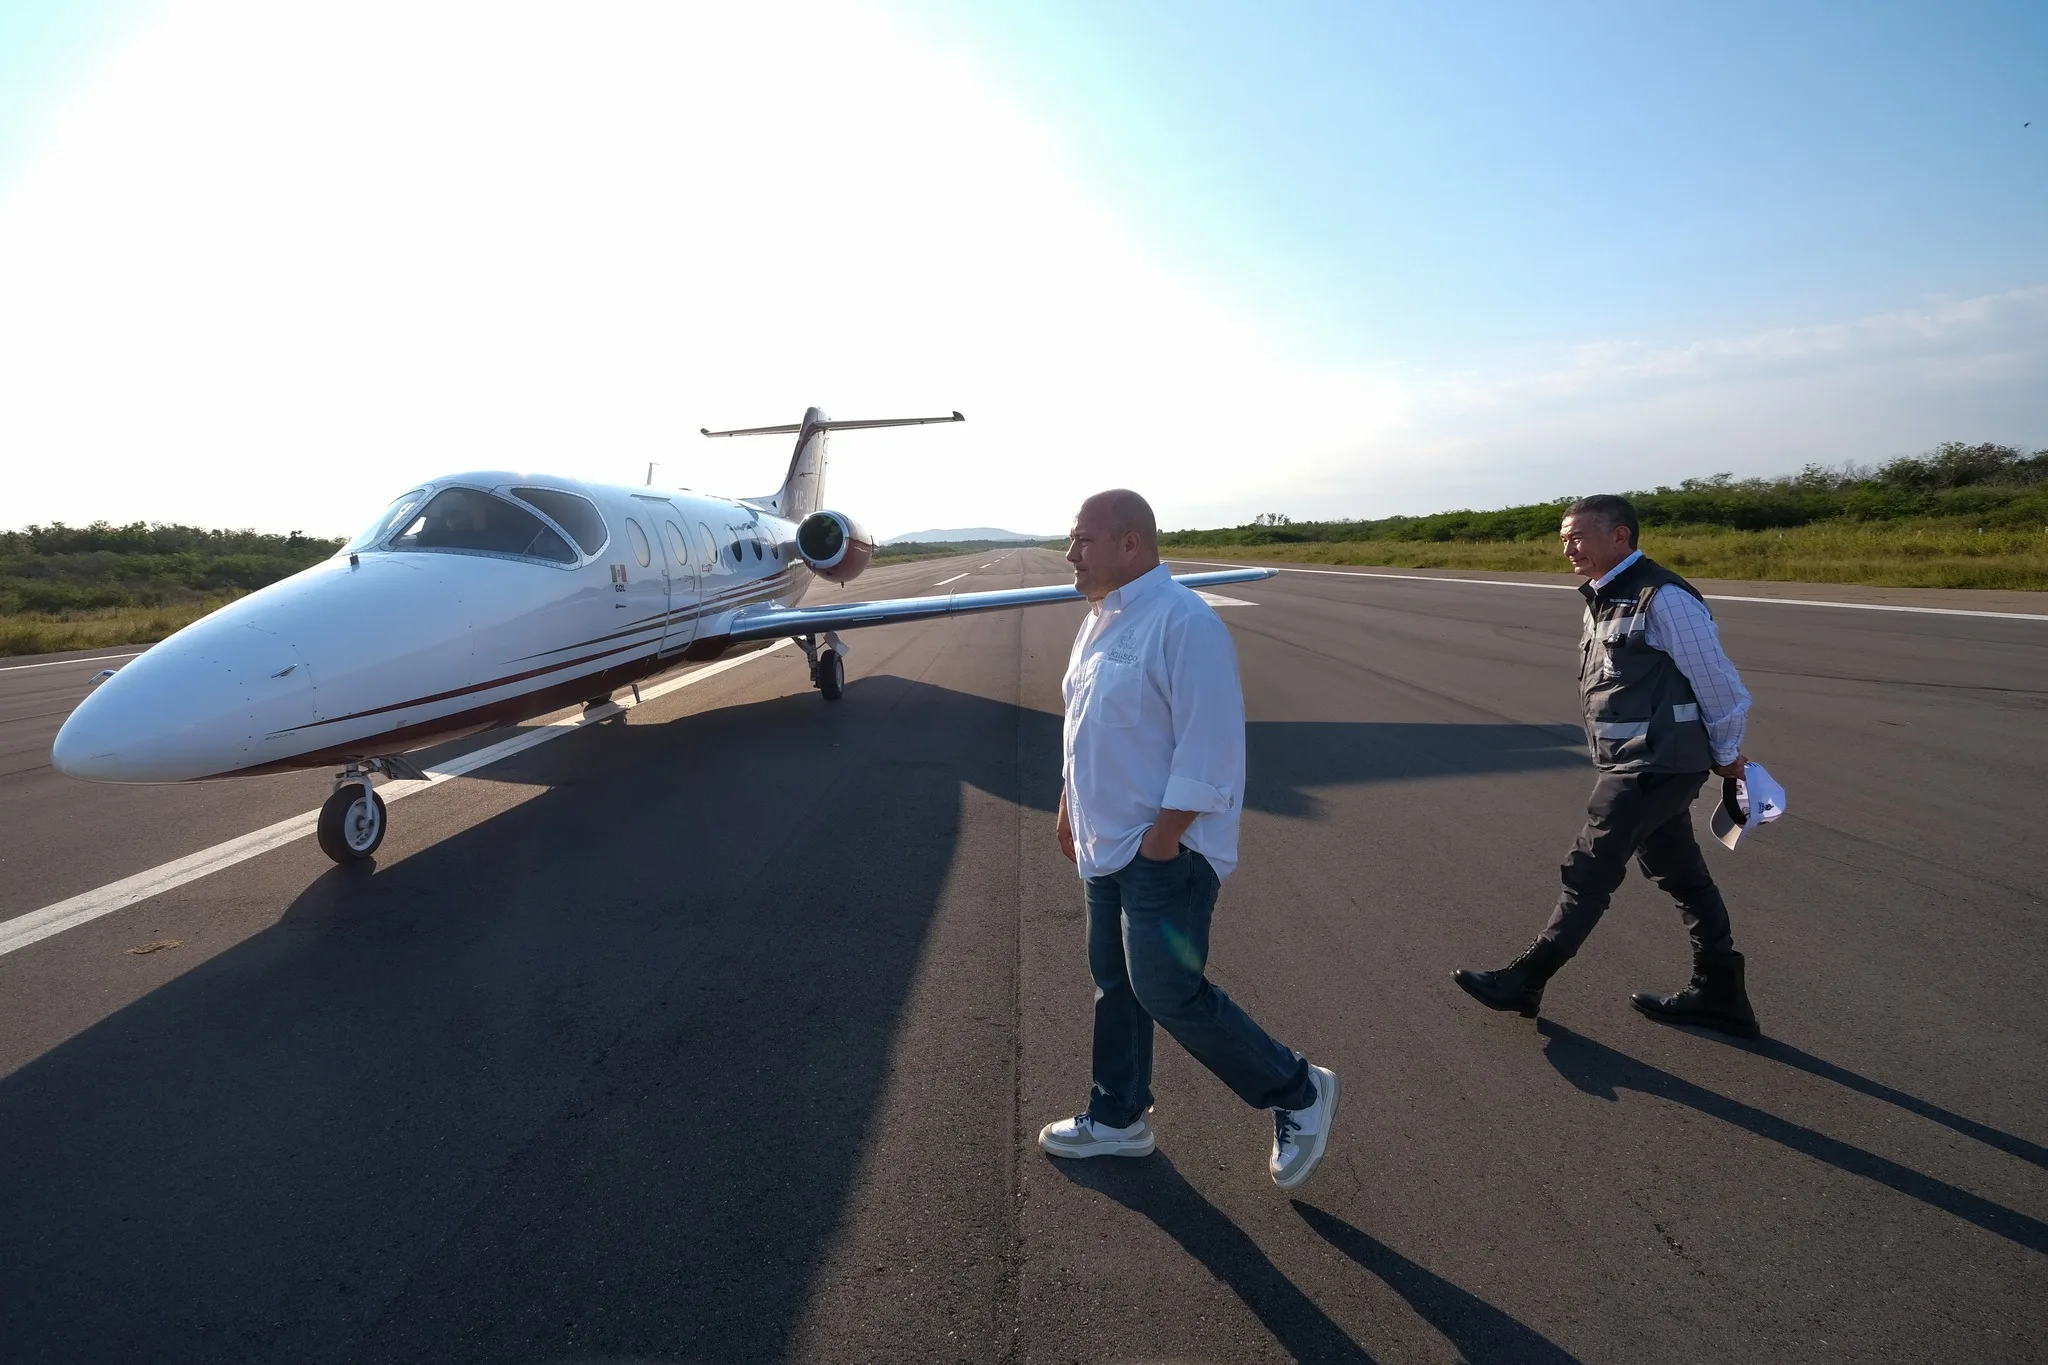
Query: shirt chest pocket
{"points": [[1113, 692]]}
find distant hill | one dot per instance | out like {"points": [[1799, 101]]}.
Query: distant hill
{"points": [[963, 533]]}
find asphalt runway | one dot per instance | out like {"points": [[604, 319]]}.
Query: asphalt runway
{"points": [[721, 1031]]}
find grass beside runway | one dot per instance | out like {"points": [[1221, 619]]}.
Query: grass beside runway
{"points": [[1923, 552], [1919, 554], [88, 587], [55, 633]]}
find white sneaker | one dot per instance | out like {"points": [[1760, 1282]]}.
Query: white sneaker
{"points": [[1083, 1136], [1300, 1135]]}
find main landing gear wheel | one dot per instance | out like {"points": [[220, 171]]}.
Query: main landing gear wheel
{"points": [[831, 674], [351, 823]]}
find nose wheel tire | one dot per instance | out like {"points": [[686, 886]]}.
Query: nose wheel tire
{"points": [[831, 674], [351, 823]]}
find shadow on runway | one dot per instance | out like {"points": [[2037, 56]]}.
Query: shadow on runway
{"points": [[1601, 1071], [1286, 760], [592, 1076], [1154, 1187], [1482, 1333], [1776, 1051]]}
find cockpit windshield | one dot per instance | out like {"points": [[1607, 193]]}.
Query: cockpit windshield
{"points": [[470, 520], [389, 520]]}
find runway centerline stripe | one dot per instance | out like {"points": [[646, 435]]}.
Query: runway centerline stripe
{"points": [[55, 663], [87, 906], [954, 579], [1568, 587]]}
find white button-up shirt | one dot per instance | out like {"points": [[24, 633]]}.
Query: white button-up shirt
{"points": [[1155, 721], [1680, 624]]}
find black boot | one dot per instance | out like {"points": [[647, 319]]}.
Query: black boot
{"points": [[1517, 986], [1716, 998]]}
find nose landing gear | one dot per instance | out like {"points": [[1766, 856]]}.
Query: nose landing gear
{"points": [[352, 822]]}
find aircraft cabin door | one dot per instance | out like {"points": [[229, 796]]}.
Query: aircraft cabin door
{"points": [[642, 583], [682, 582]]}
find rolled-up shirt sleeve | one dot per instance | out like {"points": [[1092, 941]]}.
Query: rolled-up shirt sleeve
{"points": [[1681, 626], [1208, 718]]}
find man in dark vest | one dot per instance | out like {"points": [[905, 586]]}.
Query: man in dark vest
{"points": [[1663, 708]]}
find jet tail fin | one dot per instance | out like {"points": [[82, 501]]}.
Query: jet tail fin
{"points": [[803, 489]]}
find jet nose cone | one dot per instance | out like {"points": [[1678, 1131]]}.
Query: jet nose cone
{"points": [[201, 704], [87, 747]]}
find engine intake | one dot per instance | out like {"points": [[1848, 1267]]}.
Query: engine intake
{"points": [[834, 545]]}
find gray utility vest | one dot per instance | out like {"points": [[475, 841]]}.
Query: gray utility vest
{"points": [[1641, 714]]}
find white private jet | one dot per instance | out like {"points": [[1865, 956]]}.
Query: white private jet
{"points": [[485, 599]]}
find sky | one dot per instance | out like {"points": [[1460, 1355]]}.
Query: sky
{"points": [[267, 264]]}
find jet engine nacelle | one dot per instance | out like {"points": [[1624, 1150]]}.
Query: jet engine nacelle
{"points": [[834, 545]]}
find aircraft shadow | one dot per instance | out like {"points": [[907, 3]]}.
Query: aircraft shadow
{"points": [[1154, 1187], [593, 1076], [1601, 1071], [1286, 761], [1482, 1333]]}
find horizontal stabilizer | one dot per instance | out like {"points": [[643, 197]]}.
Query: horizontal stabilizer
{"points": [[829, 425], [774, 622]]}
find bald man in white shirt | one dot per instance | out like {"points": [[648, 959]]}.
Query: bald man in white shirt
{"points": [[1153, 786]]}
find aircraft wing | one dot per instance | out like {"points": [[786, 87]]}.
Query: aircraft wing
{"points": [[771, 623]]}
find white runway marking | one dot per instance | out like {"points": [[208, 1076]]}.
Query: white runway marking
{"points": [[1217, 599], [1567, 587], [954, 579], [87, 906], [53, 663]]}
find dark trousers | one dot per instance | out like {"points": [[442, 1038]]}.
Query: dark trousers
{"points": [[1648, 817], [1148, 945]]}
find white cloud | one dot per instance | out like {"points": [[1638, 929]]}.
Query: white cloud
{"points": [[278, 261]]}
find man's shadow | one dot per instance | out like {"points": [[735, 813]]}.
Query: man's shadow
{"points": [[1155, 1188], [1601, 1071], [1773, 1050], [1481, 1332]]}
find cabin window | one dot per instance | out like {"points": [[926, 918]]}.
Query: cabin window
{"points": [[473, 521], [577, 516], [639, 539], [757, 544], [709, 545], [737, 551], [676, 545]]}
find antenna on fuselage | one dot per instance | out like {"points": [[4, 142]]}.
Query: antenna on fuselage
{"points": [[652, 465]]}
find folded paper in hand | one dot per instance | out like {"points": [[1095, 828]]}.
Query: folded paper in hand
{"points": [[1753, 800]]}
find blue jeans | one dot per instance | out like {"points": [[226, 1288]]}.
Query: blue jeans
{"points": [[1148, 943]]}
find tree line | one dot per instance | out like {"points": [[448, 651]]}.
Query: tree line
{"points": [[1992, 485], [55, 569]]}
